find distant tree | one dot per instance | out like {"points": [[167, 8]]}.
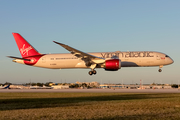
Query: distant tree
{"points": [[174, 86], [7, 83], [47, 84], [74, 86], [153, 83], [118, 84], [84, 84], [40, 84], [33, 84], [28, 84]]}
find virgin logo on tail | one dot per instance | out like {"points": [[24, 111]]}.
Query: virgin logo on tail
{"points": [[24, 50]]}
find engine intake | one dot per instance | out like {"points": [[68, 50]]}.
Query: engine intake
{"points": [[112, 64]]}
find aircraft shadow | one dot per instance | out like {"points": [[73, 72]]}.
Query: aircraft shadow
{"points": [[32, 103]]}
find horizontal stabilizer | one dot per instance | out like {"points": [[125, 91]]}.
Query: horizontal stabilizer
{"points": [[19, 58]]}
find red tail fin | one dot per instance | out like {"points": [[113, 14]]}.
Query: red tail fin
{"points": [[25, 48]]}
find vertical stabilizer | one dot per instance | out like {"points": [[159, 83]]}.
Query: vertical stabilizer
{"points": [[7, 87], [25, 48]]}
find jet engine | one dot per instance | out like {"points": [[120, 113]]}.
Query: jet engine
{"points": [[112, 65]]}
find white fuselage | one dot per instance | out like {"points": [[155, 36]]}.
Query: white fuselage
{"points": [[128, 59], [110, 61]]}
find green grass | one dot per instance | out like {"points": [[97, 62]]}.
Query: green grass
{"points": [[98, 106]]}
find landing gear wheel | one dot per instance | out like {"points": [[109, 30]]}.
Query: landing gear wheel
{"points": [[94, 72], [160, 70], [90, 72]]}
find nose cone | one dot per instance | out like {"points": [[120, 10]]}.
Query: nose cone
{"points": [[170, 61]]}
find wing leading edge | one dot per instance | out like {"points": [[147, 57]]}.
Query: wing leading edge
{"points": [[82, 55]]}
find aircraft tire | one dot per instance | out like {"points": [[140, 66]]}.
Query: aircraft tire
{"points": [[94, 72], [90, 72]]}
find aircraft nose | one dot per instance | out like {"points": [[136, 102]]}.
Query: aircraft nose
{"points": [[171, 61]]}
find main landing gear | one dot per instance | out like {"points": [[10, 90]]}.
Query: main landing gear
{"points": [[93, 66], [160, 68], [92, 72]]}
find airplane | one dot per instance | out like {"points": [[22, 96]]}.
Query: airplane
{"points": [[34, 87], [7, 87], [38, 87], [110, 61], [46, 87]]}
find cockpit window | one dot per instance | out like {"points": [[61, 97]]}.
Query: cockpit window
{"points": [[167, 56]]}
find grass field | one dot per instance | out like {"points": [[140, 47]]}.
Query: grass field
{"points": [[98, 106]]}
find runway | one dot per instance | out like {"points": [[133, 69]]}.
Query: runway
{"points": [[92, 90]]}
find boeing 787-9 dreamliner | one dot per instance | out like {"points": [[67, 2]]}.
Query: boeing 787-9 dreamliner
{"points": [[110, 61]]}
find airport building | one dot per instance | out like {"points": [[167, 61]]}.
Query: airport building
{"points": [[90, 84], [111, 86], [19, 87], [86, 85], [60, 86]]}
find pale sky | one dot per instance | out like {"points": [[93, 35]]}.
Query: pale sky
{"points": [[90, 26]]}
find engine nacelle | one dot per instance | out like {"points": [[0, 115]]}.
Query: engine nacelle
{"points": [[112, 65]]}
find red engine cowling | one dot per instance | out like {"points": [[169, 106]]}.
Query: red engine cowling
{"points": [[113, 64]]}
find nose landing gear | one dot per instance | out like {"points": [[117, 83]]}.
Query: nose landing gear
{"points": [[160, 68], [92, 72]]}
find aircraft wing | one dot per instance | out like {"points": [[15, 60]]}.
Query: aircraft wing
{"points": [[84, 56]]}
